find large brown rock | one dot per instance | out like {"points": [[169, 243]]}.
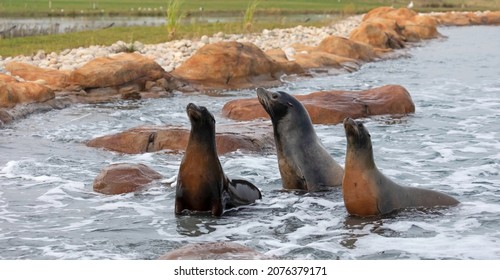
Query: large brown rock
{"points": [[13, 92], [124, 178], [118, 70], [386, 27], [331, 107], [230, 137], [230, 65], [214, 251], [52, 78]]}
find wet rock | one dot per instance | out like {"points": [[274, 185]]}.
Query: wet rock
{"points": [[229, 65], [54, 79], [347, 48], [331, 107], [214, 251], [145, 139], [14, 92], [124, 178]]}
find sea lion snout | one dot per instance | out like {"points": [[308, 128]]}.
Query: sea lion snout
{"points": [[197, 113], [350, 126], [193, 111]]}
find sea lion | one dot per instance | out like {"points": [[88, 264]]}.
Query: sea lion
{"points": [[303, 162], [201, 183], [367, 192]]}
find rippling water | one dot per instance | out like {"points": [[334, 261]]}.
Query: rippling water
{"points": [[452, 144]]}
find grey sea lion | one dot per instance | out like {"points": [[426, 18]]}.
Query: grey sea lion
{"points": [[303, 161], [201, 183], [368, 192]]}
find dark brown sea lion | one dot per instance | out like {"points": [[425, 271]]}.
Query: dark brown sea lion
{"points": [[367, 192], [201, 183], [303, 162]]}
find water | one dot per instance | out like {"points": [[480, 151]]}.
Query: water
{"points": [[452, 144], [21, 27]]}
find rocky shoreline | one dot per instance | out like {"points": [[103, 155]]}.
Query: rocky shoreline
{"points": [[97, 74], [171, 54]]}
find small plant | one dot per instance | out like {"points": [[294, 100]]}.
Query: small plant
{"points": [[249, 15], [174, 16]]}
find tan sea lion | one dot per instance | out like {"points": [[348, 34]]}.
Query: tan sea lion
{"points": [[201, 183], [303, 162], [367, 192]]}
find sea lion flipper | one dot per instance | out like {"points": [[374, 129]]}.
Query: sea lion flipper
{"points": [[241, 192]]}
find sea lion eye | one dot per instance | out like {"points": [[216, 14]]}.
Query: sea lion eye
{"points": [[275, 95], [289, 104]]}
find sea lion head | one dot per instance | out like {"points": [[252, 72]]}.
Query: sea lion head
{"points": [[279, 104], [358, 138], [199, 116]]}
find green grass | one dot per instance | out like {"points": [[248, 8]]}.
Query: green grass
{"points": [[158, 7]]}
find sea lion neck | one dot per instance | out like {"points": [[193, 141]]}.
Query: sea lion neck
{"points": [[359, 151]]}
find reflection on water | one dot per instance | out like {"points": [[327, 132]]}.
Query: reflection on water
{"points": [[49, 211]]}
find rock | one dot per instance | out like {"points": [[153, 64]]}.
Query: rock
{"points": [[319, 59], [454, 18], [214, 251], [7, 115], [289, 66], [377, 35], [54, 79], [390, 13], [388, 27], [229, 65], [493, 18], [124, 178], [117, 70], [14, 92], [418, 28], [468, 18], [331, 107], [347, 48], [145, 139]]}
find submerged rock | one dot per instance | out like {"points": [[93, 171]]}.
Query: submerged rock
{"points": [[214, 251], [331, 107], [145, 139], [124, 178]]}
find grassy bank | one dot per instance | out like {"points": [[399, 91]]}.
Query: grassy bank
{"points": [[30, 8], [152, 35], [146, 35]]}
